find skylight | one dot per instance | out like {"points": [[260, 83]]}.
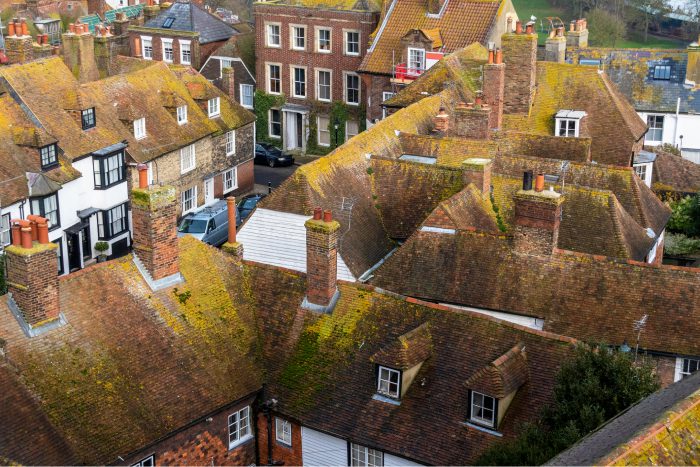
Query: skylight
{"points": [[168, 22]]}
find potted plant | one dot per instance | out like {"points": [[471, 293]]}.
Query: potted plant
{"points": [[101, 247]]}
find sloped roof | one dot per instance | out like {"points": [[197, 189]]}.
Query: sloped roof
{"points": [[502, 376], [349, 5], [462, 23], [468, 209], [661, 429], [407, 351], [673, 173], [188, 16]]}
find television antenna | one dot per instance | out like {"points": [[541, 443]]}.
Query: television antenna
{"points": [[639, 326], [344, 214]]}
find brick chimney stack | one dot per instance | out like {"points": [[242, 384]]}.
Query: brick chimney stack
{"points": [[150, 10], [232, 246], [494, 87], [154, 216], [441, 121], [18, 42], [79, 52], [555, 47], [321, 262], [578, 34], [477, 171], [692, 72], [537, 218], [520, 53], [32, 276], [473, 120], [228, 83]]}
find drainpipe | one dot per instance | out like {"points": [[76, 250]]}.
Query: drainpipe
{"points": [[675, 130], [267, 408]]}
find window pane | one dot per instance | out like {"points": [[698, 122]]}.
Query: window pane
{"points": [[5, 233]]}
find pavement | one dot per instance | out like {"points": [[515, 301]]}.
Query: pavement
{"points": [[273, 175]]}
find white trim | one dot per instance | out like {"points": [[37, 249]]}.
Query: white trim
{"points": [[267, 34], [232, 134], [318, 84], [249, 431], [194, 200], [140, 128], [214, 111], [189, 46], [482, 421], [234, 170], [318, 130], [143, 47], [286, 425], [317, 39], [292, 37], [163, 43], [269, 124], [233, 59], [389, 373], [183, 169], [345, 88], [345, 42], [241, 94], [267, 78], [292, 82], [177, 114], [409, 64]]}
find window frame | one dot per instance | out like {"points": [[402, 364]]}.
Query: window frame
{"points": [[317, 39], [346, 89], [233, 172], [293, 85], [655, 129], [641, 171], [272, 122], [318, 84], [268, 43], [480, 420], [367, 452], [241, 88], [185, 49], [42, 209], [181, 114], [147, 48], [567, 129], [163, 45], [269, 78], [384, 99], [687, 372], [59, 255], [390, 371], [105, 222], [52, 160], [89, 122], [144, 462], [286, 431], [230, 143], [238, 439], [293, 28], [103, 163], [346, 42], [327, 130], [140, 128], [193, 200], [662, 72], [183, 168], [214, 107], [421, 52], [347, 133], [6, 231]]}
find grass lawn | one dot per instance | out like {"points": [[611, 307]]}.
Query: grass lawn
{"points": [[636, 40]]}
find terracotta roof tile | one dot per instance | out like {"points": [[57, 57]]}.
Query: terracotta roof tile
{"points": [[503, 376], [673, 173], [408, 350]]}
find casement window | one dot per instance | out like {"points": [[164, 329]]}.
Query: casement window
{"points": [[59, 255], [167, 50], [188, 199], [323, 40], [247, 92], [299, 83], [48, 156], [283, 431], [275, 119], [483, 409], [388, 382], [112, 222], [656, 128], [416, 60], [213, 106], [185, 53], [47, 207], [662, 72], [323, 85], [109, 170], [140, 128], [385, 97], [146, 48], [689, 366], [298, 37], [274, 79], [567, 127], [273, 35], [352, 89], [187, 159], [230, 143], [352, 128], [641, 171], [352, 43], [230, 179], [365, 457], [324, 134], [149, 461], [182, 115], [239, 427], [88, 118], [5, 231], [150, 174]]}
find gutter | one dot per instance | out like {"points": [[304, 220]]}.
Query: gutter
{"points": [[367, 275]]}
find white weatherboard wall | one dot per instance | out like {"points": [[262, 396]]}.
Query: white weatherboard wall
{"points": [[321, 449], [688, 125], [279, 239]]}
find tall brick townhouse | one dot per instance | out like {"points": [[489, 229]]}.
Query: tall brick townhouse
{"points": [[415, 34], [307, 57]]}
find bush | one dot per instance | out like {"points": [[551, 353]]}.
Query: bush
{"points": [[685, 216], [681, 245], [101, 246], [3, 278]]}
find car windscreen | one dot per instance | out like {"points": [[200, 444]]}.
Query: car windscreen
{"points": [[249, 203], [189, 225]]}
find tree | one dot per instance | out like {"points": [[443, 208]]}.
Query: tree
{"points": [[685, 216], [605, 28], [597, 384], [649, 11]]}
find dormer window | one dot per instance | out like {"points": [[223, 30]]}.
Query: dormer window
{"points": [[182, 115], [416, 60], [140, 128], [388, 382], [213, 107], [88, 118], [662, 72], [48, 156], [568, 123], [483, 409]]}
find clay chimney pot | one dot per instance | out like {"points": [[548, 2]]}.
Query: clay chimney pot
{"points": [[529, 28], [25, 29], [231, 210], [71, 28], [499, 56], [327, 216], [26, 237], [518, 27], [11, 29], [16, 234], [539, 183], [143, 175], [318, 212], [491, 56], [572, 26]]}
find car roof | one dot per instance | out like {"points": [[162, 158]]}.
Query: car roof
{"points": [[209, 211]]}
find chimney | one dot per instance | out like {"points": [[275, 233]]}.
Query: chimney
{"points": [[96, 6], [154, 216], [578, 34], [232, 246], [321, 262], [79, 52], [692, 72], [442, 121], [120, 25], [555, 47], [18, 43], [537, 217], [32, 276], [228, 83], [472, 120], [150, 11], [478, 171], [106, 50], [494, 82], [520, 53]]}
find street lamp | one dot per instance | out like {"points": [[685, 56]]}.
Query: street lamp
{"points": [[335, 126]]}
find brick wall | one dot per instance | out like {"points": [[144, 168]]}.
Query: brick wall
{"points": [[199, 52], [520, 56], [536, 223], [106, 51], [33, 281], [471, 123], [665, 368], [79, 56], [336, 61], [204, 443], [321, 260], [494, 91], [290, 455], [551, 147], [378, 85]]}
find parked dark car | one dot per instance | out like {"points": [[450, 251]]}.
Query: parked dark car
{"points": [[247, 204], [268, 154]]}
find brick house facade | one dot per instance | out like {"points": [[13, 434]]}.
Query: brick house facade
{"points": [[310, 56]]}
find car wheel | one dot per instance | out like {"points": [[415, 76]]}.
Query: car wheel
{"points": [[271, 162]]}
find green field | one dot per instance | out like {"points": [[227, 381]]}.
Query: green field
{"points": [[542, 9]]}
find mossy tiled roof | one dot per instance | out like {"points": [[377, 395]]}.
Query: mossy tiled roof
{"points": [[673, 173], [347, 5]]}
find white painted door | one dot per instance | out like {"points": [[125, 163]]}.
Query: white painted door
{"points": [[209, 191], [290, 132]]}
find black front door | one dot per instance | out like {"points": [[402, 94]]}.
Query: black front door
{"points": [[73, 243], [300, 127], [87, 249]]}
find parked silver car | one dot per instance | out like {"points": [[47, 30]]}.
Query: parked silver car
{"points": [[209, 224]]}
